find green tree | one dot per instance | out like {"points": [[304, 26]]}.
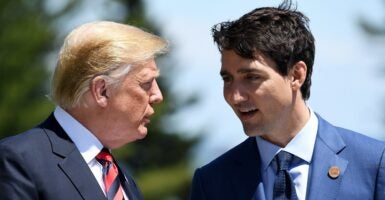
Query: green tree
{"points": [[26, 36]]}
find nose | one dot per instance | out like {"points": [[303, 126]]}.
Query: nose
{"points": [[235, 94], [155, 95]]}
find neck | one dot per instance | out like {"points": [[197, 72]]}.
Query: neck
{"points": [[291, 125], [89, 118]]}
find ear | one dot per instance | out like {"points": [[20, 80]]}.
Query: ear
{"points": [[99, 91], [298, 75]]}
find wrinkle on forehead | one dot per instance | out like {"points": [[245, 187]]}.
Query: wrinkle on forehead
{"points": [[146, 72]]}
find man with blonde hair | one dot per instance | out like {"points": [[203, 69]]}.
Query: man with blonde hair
{"points": [[104, 87]]}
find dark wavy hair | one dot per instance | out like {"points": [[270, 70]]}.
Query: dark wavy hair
{"points": [[281, 33]]}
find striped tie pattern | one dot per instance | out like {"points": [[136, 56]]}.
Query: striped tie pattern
{"points": [[113, 188]]}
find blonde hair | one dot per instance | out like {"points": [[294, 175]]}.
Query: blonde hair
{"points": [[99, 48]]}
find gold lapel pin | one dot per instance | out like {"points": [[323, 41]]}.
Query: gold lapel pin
{"points": [[334, 172]]}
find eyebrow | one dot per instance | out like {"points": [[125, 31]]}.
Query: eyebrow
{"points": [[146, 75], [240, 71], [223, 73], [247, 70], [157, 73]]}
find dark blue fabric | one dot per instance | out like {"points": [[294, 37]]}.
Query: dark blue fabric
{"points": [[284, 188]]}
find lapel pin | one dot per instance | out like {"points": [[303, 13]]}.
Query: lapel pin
{"points": [[334, 172]]}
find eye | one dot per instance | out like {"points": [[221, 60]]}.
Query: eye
{"points": [[252, 77], [147, 85], [226, 79]]}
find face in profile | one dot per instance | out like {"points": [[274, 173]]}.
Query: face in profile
{"points": [[131, 105], [258, 94]]}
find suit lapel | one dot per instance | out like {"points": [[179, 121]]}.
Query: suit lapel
{"points": [[327, 147], [246, 179], [72, 163], [129, 185], [81, 176]]}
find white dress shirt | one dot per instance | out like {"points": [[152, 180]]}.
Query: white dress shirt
{"points": [[86, 142], [302, 146]]}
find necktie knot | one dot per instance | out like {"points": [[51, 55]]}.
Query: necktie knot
{"points": [[283, 159], [104, 156]]}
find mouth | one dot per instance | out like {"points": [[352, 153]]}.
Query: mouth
{"points": [[146, 120], [246, 114]]}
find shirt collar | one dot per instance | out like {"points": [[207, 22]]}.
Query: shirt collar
{"points": [[86, 142], [302, 145]]}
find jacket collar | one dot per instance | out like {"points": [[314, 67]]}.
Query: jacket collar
{"points": [[326, 155], [72, 163]]}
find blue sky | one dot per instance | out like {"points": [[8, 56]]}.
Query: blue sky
{"points": [[347, 89]]}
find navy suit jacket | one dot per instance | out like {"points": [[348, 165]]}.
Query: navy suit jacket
{"points": [[236, 174], [43, 163]]}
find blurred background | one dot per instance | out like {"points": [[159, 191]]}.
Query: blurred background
{"points": [[193, 125]]}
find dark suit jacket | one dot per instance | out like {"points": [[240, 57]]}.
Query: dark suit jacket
{"points": [[236, 174], [43, 163]]}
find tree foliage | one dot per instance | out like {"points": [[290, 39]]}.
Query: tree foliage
{"points": [[26, 37]]}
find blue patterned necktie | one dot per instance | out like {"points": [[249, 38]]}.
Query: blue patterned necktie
{"points": [[283, 185]]}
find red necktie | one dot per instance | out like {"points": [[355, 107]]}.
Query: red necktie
{"points": [[113, 188]]}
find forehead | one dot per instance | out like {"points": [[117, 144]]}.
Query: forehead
{"points": [[147, 69], [233, 63]]}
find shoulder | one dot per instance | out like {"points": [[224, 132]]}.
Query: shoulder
{"points": [[358, 143], [236, 156], [25, 141], [362, 146], [40, 138], [21, 154], [25, 152], [35, 141], [360, 139]]}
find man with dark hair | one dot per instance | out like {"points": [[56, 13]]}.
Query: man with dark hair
{"points": [[291, 152]]}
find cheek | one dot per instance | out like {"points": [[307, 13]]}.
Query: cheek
{"points": [[137, 105], [227, 95], [265, 97], [137, 96], [139, 99], [271, 89], [275, 101], [132, 101]]}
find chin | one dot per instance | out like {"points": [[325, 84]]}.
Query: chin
{"points": [[251, 132], [142, 136], [142, 133]]}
